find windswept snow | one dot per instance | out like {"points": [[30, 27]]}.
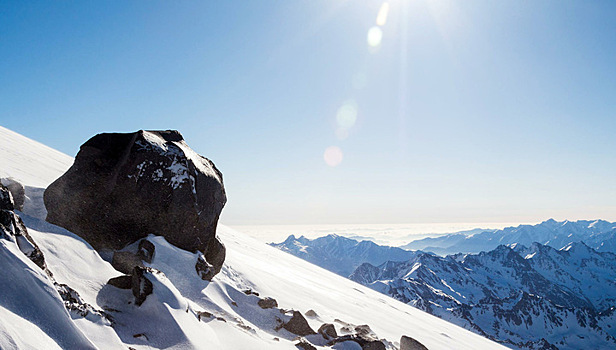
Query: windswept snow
{"points": [[30, 162]]}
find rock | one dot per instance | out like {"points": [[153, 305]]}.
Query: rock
{"points": [[204, 269], [267, 303], [408, 343], [298, 325], [204, 314], [6, 199], [363, 329], [146, 250], [141, 286], [18, 191], [122, 282], [310, 313], [123, 187], [366, 343], [125, 261], [373, 345], [304, 345], [12, 225], [327, 330], [250, 292]]}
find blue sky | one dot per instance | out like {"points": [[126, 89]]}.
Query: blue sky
{"points": [[468, 111]]}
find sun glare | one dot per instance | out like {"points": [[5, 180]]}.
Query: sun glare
{"points": [[333, 156]]}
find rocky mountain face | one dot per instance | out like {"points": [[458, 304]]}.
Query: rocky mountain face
{"points": [[597, 234], [340, 254], [533, 297], [123, 187]]}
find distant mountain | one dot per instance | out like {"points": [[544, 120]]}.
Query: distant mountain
{"points": [[533, 297], [598, 234], [340, 254]]}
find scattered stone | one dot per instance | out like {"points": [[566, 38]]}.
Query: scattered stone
{"points": [[140, 335], [122, 282], [221, 319], [146, 250], [365, 343], [346, 329], [298, 325], [276, 339], [202, 314], [408, 343], [363, 330], [267, 303], [141, 286], [250, 292], [123, 187], [244, 326], [311, 313], [327, 330], [304, 345], [234, 303], [125, 261]]}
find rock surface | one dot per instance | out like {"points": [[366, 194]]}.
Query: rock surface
{"points": [[123, 187], [327, 330], [267, 303], [408, 343], [141, 286], [17, 190], [298, 325]]}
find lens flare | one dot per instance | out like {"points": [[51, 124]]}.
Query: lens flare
{"points": [[332, 156], [347, 115], [381, 18], [375, 34]]}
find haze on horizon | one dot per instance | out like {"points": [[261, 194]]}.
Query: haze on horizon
{"points": [[326, 112]]}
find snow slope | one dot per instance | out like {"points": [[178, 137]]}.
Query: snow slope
{"points": [[28, 161], [183, 312]]}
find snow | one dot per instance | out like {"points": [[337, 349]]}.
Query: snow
{"points": [[30, 162], [32, 314]]}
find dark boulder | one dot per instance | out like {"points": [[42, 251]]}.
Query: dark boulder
{"points": [[125, 261], [123, 187], [122, 282], [327, 330], [141, 285], [408, 343], [304, 345], [298, 325], [267, 303], [146, 250]]}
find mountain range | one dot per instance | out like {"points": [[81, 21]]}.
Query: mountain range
{"points": [[597, 234], [524, 296]]}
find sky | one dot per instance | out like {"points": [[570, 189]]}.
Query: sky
{"points": [[334, 111]]}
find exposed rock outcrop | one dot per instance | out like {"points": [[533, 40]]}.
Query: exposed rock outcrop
{"points": [[267, 303], [18, 191], [408, 343], [12, 227], [327, 330], [298, 325], [141, 285], [123, 187]]}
